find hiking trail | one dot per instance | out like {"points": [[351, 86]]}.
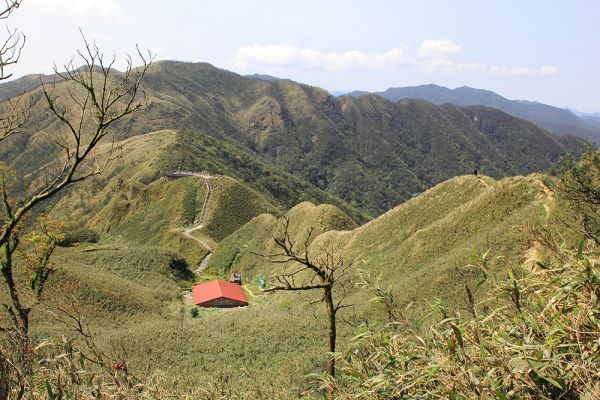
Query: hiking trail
{"points": [[200, 220]]}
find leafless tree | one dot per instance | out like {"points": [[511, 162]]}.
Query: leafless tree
{"points": [[10, 52], [87, 97], [327, 272]]}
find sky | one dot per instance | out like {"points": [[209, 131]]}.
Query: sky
{"points": [[546, 50]]}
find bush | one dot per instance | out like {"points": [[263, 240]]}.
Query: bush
{"points": [[535, 336], [580, 186], [78, 235]]}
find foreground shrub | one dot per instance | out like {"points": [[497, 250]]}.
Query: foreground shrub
{"points": [[78, 235], [535, 336]]}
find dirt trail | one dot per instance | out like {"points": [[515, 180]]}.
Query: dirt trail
{"points": [[550, 197], [201, 219], [187, 233], [250, 292], [487, 185]]}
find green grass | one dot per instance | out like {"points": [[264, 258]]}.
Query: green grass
{"points": [[418, 247], [268, 348], [233, 204], [132, 201], [232, 254]]}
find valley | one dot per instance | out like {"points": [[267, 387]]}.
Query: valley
{"points": [[131, 280], [198, 184]]}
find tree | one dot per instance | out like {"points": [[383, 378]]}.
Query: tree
{"points": [[10, 52], [580, 186], [326, 272], [86, 99]]}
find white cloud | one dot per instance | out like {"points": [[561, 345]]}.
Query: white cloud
{"points": [[248, 58], [548, 70], [509, 71], [78, 8], [449, 66], [439, 48], [436, 57]]}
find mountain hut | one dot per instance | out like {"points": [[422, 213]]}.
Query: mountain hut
{"points": [[219, 294]]}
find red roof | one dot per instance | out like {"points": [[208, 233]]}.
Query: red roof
{"points": [[206, 293]]}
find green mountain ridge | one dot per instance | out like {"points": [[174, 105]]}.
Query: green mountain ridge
{"points": [[419, 248], [557, 120], [370, 152]]}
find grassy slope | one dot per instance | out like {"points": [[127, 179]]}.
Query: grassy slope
{"points": [[232, 253], [132, 202], [419, 246], [132, 300], [368, 151], [268, 347]]}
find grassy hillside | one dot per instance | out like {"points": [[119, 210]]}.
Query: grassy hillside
{"points": [[196, 151], [232, 253], [368, 151], [419, 247], [134, 299], [132, 204]]}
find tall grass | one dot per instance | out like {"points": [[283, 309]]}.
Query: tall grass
{"points": [[536, 335]]}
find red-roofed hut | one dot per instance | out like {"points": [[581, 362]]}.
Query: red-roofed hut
{"points": [[219, 294]]}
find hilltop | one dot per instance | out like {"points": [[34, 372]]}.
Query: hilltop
{"points": [[418, 247]]}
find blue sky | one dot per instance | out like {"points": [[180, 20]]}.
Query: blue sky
{"points": [[546, 51]]}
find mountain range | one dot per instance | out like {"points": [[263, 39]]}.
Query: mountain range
{"points": [[371, 152], [387, 184], [555, 119]]}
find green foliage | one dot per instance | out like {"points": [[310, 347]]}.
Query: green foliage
{"points": [[536, 335], [370, 152], [78, 235], [580, 186], [196, 151]]}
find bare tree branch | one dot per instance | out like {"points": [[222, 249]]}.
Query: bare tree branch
{"points": [[327, 273], [86, 103]]}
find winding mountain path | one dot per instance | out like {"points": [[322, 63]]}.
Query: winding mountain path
{"points": [[549, 195], [201, 218]]}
